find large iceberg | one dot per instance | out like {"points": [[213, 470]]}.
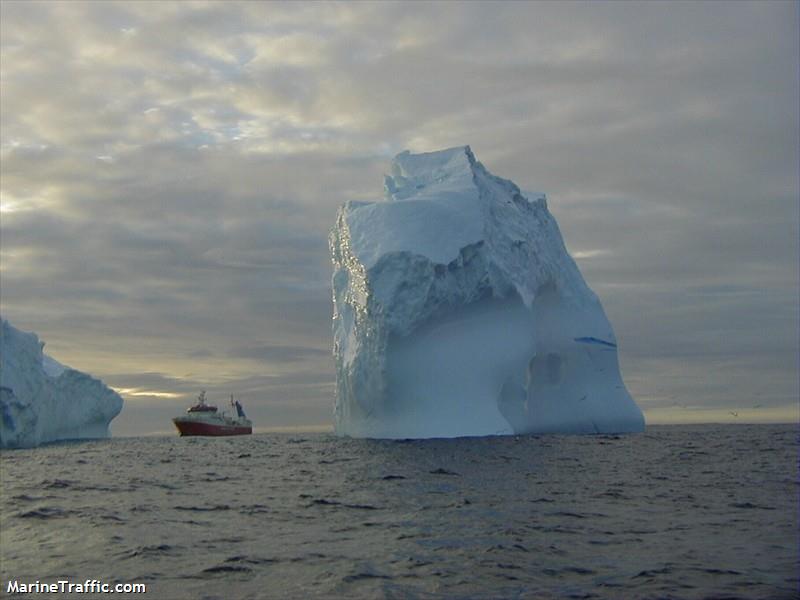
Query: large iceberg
{"points": [[459, 312], [42, 401]]}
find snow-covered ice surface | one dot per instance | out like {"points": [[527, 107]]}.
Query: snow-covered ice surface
{"points": [[42, 400], [459, 312]]}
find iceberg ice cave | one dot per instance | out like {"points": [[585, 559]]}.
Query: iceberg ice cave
{"points": [[43, 401], [459, 312]]}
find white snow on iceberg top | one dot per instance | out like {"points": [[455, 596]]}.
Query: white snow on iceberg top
{"points": [[42, 400], [458, 311], [51, 366], [429, 174], [433, 209]]}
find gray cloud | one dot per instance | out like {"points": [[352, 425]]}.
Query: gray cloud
{"points": [[170, 172], [273, 353]]}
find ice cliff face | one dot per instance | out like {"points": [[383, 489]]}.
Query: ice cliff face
{"points": [[459, 312], [43, 401]]}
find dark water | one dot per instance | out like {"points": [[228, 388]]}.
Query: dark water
{"points": [[678, 512]]}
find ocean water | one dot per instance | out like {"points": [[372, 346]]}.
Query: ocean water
{"points": [[676, 512]]}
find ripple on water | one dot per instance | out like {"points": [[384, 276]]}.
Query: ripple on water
{"points": [[155, 550], [277, 516], [46, 513]]}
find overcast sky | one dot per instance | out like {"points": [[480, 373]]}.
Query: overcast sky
{"points": [[170, 172]]}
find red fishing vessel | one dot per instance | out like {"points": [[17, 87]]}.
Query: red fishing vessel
{"points": [[205, 419]]}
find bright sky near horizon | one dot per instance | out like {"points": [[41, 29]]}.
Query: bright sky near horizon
{"points": [[170, 171]]}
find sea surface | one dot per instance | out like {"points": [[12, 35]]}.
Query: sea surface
{"points": [[676, 512]]}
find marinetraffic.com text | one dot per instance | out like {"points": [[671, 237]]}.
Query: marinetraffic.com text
{"points": [[90, 586]]}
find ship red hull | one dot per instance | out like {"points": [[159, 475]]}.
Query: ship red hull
{"points": [[200, 428]]}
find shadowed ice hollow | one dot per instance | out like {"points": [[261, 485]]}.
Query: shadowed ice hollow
{"points": [[459, 312]]}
